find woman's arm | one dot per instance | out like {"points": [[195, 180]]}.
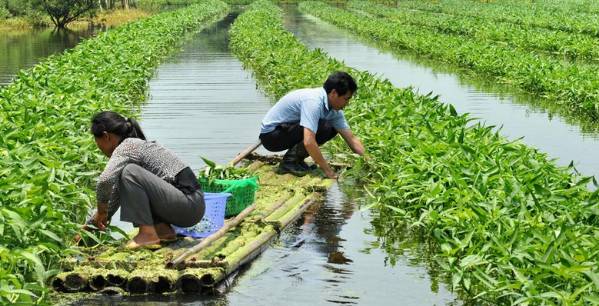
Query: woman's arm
{"points": [[106, 196]]}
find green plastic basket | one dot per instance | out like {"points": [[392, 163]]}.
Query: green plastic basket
{"points": [[243, 192]]}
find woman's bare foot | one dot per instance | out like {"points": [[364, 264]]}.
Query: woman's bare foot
{"points": [[146, 237], [165, 231]]}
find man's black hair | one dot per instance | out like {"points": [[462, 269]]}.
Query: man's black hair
{"points": [[342, 82]]}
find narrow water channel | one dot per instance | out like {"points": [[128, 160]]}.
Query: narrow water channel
{"points": [[492, 105], [202, 103], [21, 49]]}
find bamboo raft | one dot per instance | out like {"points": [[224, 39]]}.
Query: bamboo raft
{"points": [[176, 267]]}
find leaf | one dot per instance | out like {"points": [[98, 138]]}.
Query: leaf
{"points": [[594, 299], [208, 162], [38, 265], [471, 261], [452, 110], [51, 235]]}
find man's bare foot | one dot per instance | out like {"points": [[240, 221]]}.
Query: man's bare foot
{"points": [[165, 232]]}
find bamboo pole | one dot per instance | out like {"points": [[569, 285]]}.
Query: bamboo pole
{"points": [[265, 213], [164, 282], [249, 251], [290, 204], [203, 263], [117, 278], [207, 252], [70, 281], [57, 283], [294, 214], [195, 262], [245, 152], [211, 277], [254, 166], [210, 239], [98, 282], [189, 281], [138, 282]]}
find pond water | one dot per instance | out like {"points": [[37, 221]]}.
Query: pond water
{"points": [[22, 49]]}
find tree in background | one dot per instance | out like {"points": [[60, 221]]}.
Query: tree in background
{"points": [[4, 12], [62, 12], [112, 4], [18, 7]]}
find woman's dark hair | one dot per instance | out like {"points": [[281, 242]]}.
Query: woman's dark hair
{"points": [[341, 81], [112, 122]]}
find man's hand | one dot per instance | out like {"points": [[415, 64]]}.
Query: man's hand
{"points": [[331, 174]]}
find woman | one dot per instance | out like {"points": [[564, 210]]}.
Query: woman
{"points": [[153, 187]]}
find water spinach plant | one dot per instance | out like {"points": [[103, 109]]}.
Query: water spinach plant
{"points": [[574, 88], [567, 16], [48, 160], [505, 223], [558, 44]]}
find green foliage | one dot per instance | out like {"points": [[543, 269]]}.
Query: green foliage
{"points": [[19, 7], [569, 16], [551, 42], [212, 171], [506, 224], [4, 13], [63, 12], [575, 88], [48, 160], [157, 5]]}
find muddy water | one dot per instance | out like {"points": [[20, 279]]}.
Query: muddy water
{"points": [[203, 103], [24, 48], [493, 105]]}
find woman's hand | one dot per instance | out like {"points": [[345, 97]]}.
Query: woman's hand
{"points": [[100, 219]]}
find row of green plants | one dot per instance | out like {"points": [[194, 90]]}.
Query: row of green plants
{"points": [[559, 43], [48, 158], [505, 223], [569, 20], [159, 4], [557, 6], [574, 88]]}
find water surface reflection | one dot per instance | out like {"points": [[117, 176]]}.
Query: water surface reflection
{"points": [[24, 48]]}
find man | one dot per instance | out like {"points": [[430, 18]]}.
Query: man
{"points": [[305, 119]]}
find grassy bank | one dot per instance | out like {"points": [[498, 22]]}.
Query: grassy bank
{"points": [[109, 19]]}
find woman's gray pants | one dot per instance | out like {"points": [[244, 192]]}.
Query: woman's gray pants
{"points": [[147, 199]]}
